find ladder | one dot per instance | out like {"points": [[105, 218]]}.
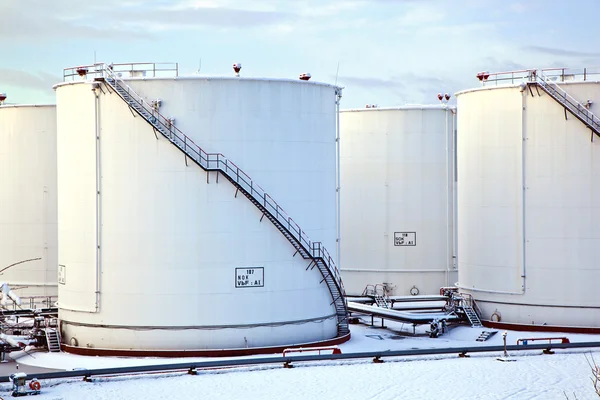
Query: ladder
{"points": [[472, 316], [314, 251], [580, 111], [52, 340], [382, 301]]}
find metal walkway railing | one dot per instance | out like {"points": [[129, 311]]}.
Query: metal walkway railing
{"points": [[315, 251], [132, 70], [554, 74]]}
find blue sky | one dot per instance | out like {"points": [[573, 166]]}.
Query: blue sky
{"points": [[390, 52]]}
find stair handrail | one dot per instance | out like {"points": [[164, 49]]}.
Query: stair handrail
{"points": [[217, 161], [380, 290], [468, 300], [369, 290], [539, 77]]}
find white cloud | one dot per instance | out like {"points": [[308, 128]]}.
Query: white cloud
{"points": [[32, 80], [421, 16]]}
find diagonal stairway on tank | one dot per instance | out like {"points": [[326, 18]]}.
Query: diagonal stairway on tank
{"points": [[581, 112], [314, 251]]}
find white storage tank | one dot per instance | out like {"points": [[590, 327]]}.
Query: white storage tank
{"points": [[528, 201], [159, 255], [28, 231], [397, 201]]}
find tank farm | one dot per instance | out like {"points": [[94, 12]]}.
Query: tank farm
{"points": [[148, 213]]}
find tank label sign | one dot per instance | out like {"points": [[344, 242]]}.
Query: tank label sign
{"points": [[405, 238], [62, 274], [249, 277]]}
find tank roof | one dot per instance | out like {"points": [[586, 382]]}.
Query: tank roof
{"points": [[518, 85], [245, 78], [210, 78], [482, 88]]}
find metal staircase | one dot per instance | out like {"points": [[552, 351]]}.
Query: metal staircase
{"points": [[464, 304], [485, 335], [379, 293], [309, 250], [382, 301], [472, 316], [580, 111], [52, 340]]}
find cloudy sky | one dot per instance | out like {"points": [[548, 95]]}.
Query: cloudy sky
{"points": [[389, 52]]}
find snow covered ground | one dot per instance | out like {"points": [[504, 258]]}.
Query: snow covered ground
{"points": [[531, 376]]}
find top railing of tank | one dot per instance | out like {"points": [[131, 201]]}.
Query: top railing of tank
{"points": [[126, 70], [33, 302], [553, 74]]}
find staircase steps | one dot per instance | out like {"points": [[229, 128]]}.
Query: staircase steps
{"points": [[485, 335], [382, 301], [307, 249], [472, 316], [52, 340]]}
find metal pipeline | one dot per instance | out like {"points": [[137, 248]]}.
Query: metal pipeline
{"points": [[338, 97], [392, 270], [454, 195], [375, 355], [95, 91], [450, 194], [98, 202]]}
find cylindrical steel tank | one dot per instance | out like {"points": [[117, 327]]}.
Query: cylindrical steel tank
{"points": [[528, 205], [397, 198], [28, 232], [156, 250]]}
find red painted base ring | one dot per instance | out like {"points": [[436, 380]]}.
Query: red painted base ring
{"points": [[540, 328], [86, 351]]}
